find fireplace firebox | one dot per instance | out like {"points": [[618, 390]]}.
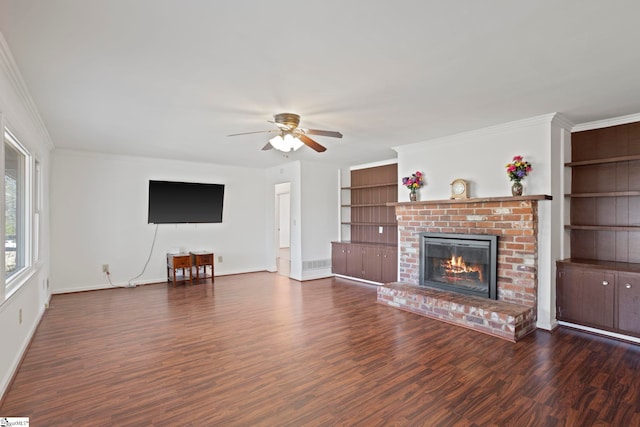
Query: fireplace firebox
{"points": [[463, 263]]}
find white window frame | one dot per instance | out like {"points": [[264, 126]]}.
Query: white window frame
{"points": [[13, 283], [37, 211]]}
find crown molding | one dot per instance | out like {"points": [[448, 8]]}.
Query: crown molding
{"points": [[488, 131], [562, 121], [614, 121], [11, 70]]}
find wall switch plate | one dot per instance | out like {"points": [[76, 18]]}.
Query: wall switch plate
{"points": [[380, 230], [219, 258]]}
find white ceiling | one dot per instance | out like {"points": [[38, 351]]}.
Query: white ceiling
{"points": [[172, 78]]}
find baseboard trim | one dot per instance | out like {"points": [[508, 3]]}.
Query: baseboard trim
{"points": [[595, 331], [21, 355]]}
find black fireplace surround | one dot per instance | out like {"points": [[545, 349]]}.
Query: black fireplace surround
{"points": [[462, 263]]}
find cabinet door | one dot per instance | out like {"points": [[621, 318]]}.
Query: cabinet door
{"points": [[628, 290], [567, 294], [598, 291], [339, 258], [354, 261], [586, 296], [390, 265], [372, 263]]}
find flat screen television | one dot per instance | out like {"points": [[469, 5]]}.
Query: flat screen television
{"points": [[185, 202]]}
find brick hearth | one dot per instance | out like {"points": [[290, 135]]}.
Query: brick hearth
{"points": [[515, 221]]}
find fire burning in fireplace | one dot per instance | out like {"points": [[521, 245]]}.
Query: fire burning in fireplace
{"points": [[456, 269], [464, 263]]}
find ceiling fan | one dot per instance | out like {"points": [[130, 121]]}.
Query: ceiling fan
{"points": [[290, 136]]}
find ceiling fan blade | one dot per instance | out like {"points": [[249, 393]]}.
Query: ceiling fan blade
{"points": [[311, 143], [282, 126], [329, 133], [260, 131], [267, 147]]}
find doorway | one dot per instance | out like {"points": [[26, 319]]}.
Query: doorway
{"points": [[283, 228]]}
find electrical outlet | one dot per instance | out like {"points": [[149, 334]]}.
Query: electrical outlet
{"points": [[219, 258], [380, 230], [105, 268]]}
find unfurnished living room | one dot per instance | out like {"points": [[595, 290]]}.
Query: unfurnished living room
{"points": [[419, 213]]}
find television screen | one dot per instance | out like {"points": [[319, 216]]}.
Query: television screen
{"points": [[185, 202]]}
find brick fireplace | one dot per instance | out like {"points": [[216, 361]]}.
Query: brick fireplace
{"points": [[515, 221]]}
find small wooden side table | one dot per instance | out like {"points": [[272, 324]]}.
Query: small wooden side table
{"points": [[202, 259], [180, 261]]}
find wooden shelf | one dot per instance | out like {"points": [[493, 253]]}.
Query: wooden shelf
{"points": [[603, 227], [368, 205], [375, 244], [474, 200], [607, 194], [605, 265], [603, 161], [362, 187]]}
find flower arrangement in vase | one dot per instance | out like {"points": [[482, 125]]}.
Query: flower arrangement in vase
{"points": [[413, 182], [516, 171]]}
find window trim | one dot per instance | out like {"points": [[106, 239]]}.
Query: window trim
{"points": [[15, 282]]}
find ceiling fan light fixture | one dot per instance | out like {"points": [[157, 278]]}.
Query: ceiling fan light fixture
{"points": [[286, 143], [278, 143], [290, 137], [292, 142]]}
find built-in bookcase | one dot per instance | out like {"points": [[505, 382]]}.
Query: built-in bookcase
{"points": [[371, 251], [371, 220], [605, 194], [599, 286]]}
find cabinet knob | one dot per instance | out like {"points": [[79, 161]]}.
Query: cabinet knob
{"points": [[605, 283], [628, 286]]}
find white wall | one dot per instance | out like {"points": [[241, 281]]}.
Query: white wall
{"points": [[18, 113], [319, 217], [480, 158], [314, 215], [99, 209], [289, 173]]}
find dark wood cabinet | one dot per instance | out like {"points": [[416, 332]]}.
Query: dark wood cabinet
{"points": [[389, 265], [339, 258], [354, 261], [371, 263], [600, 285], [594, 294], [586, 296], [365, 261], [628, 291], [370, 250]]}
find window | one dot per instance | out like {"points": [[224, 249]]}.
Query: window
{"points": [[17, 204], [37, 208]]}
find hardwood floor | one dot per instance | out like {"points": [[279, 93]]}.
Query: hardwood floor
{"points": [[260, 349]]}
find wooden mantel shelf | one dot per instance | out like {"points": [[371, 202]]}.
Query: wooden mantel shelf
{"points": [[473, 200]]}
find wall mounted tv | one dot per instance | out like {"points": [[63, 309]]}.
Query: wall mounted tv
{"points": [[185, 202]]}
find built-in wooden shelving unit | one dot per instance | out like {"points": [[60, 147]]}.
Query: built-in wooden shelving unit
{"points": [[599, 286], [371, 251]]}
